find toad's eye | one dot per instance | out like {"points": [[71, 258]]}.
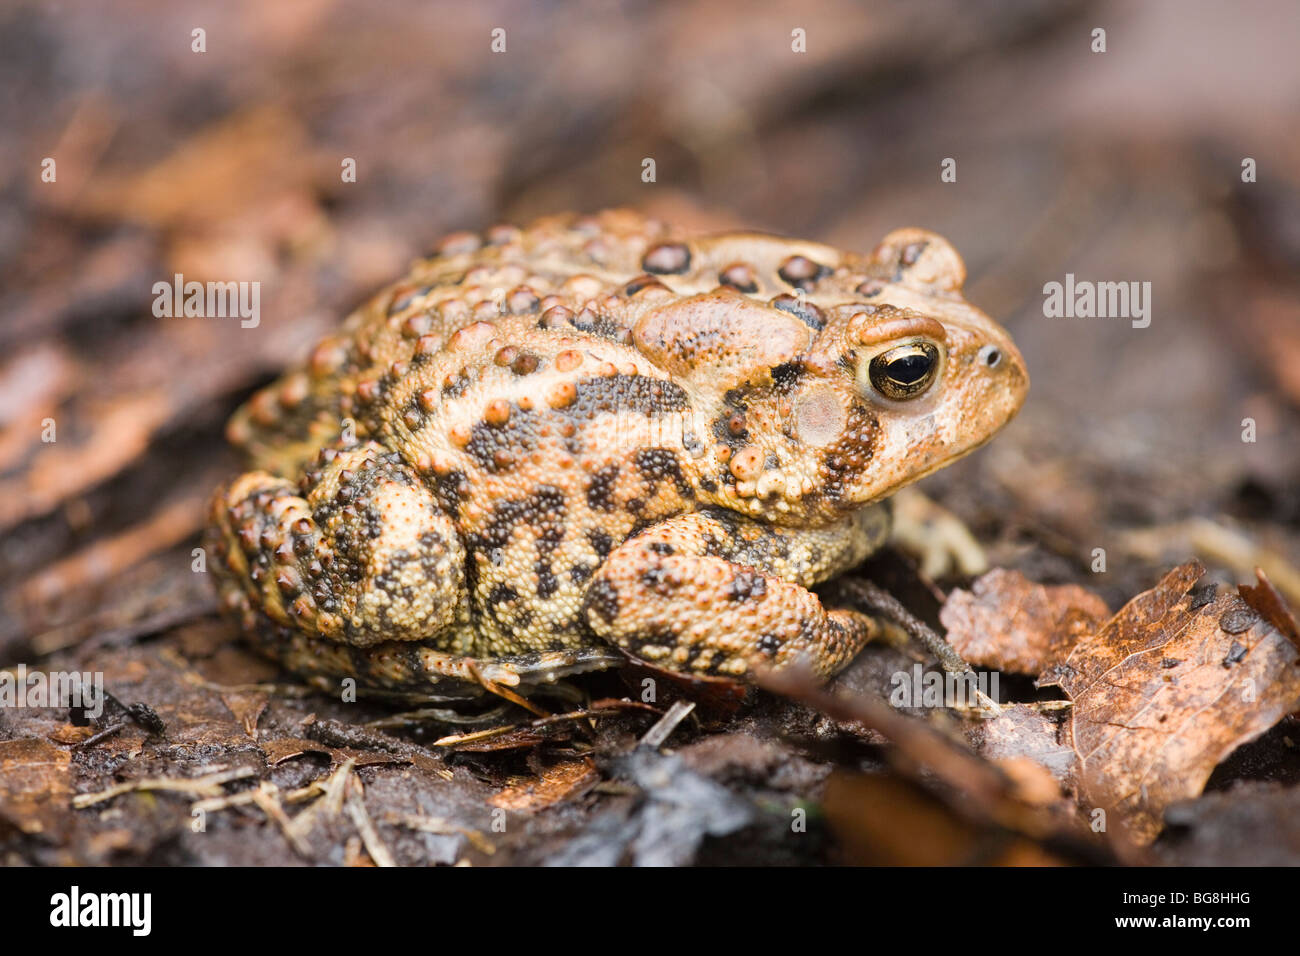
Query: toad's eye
{"points": [[905, 371]]}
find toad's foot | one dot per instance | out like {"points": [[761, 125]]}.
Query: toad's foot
{"points": [[707, 594], [936, 536]]}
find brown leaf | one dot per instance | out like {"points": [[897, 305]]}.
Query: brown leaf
{"points": [[122, 431], [512, 738], [1033, 783], [1264, 598], [556, 783], [34, 785], [1170, 686], [236, 165], [284, 748], [1010, 623], [68, 734], [247, 708], [882, 820], [1024, 731]]}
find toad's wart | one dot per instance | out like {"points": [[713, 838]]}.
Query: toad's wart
{"points": [[546, 446]]}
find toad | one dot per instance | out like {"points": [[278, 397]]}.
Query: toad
{"points": [[547, 449]]}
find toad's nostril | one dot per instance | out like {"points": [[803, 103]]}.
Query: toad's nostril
{"points": [[991, 356]]}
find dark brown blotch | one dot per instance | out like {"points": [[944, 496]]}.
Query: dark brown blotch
{"points": [[667, 258], [739, 276], [601, 542], [600, 490], [620, 393], [661, 464], [801, 272], [498, 447], [804, 311], [602, 597], [641, 283]]}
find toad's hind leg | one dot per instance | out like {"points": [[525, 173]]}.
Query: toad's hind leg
{"points": [[713, 593], [361, 555]]}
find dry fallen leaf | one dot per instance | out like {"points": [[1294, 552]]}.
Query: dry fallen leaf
{"points": [[1009, 623], [560, 781], [247, 708], [1162, 693], [1025, 731], [284, 748], [69, 734], [1263, 597], [35, 784], [882, 820]]}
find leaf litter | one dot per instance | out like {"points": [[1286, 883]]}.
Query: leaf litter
{"points": [[1160, 694]]}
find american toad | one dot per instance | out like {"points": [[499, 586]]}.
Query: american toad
{"points": [[593, 434]]}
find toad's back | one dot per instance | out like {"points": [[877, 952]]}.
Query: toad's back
{"points": [[592, 274]]}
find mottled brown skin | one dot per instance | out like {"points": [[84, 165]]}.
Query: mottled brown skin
{"points": [[595, 434]]}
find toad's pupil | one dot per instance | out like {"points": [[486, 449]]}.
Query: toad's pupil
{"points": [[910, 369]]}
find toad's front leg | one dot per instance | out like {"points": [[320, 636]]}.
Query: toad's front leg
{"points": [[714, 593]]}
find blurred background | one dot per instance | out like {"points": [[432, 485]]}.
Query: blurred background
{"points": [[1123, 165], [225, 164]]}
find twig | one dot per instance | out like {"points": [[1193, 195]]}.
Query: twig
{"points": [[656, 735], [872, 597], [208, 786], [492, 687], [244, 797], [332, 802], [476, 735], [442, 827], [266, 797], [607, 708], [356, 806], [335, 787], [104, 734], [417, 718]]}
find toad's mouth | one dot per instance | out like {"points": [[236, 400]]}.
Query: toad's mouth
{"points": [[938, 464]]}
